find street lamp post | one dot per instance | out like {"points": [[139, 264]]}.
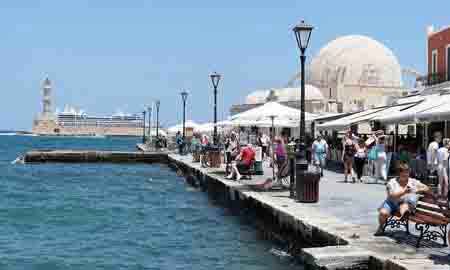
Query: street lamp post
{"points": [[158, 103], [143, 126], [302, 35], [215, 79], [184, 96], [149, 108]]}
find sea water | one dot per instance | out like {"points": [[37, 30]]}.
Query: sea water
{"points": [[116, 216]]}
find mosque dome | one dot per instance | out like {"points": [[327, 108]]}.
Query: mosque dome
{"points": [[355, 60], [284, 94]]}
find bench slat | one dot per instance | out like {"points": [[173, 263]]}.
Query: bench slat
{"points": [[432, 208], [431, 200], [424, 217]]}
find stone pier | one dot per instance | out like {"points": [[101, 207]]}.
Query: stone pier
{"points": [[336, 233]]}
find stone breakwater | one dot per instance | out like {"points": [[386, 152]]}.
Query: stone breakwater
{"points": [[86, 156], [318, 239]]}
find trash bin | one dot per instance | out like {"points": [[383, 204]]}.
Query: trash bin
{"points": [[258, 168], [307, 186]]}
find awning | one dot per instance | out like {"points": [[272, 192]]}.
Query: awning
{"points": [[412, 114], [364, 116], [436, 114]]}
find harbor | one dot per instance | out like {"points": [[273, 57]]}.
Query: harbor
{"points": [[225, 135], [335, 233]]}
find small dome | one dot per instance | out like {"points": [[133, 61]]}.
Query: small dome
{"points": [[290, 94], [355, 60], [257, 97], [285, 95]]}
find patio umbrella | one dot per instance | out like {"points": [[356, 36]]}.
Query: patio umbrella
{"points": [[269, 109], [179, 127]]}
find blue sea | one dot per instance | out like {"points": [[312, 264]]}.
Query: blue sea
{"points": [[114, 216]]}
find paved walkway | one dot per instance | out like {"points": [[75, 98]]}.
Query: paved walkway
{"points": [[345, 209]]}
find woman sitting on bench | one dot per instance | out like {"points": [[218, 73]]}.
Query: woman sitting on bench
{"points": [[243, 162], [401, 196]]}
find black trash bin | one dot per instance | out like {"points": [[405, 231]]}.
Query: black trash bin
{"points": [[307, 186]]}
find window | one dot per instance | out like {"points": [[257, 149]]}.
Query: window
{"points": [[434, 61], [448, 61]]}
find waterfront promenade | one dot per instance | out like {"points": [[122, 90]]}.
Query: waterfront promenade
{"points": [[346, 211]]}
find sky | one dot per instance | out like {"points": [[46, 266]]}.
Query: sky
{"points": [[104, 56]]}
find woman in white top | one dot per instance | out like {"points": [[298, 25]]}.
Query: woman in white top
{"points": [[442, 160], [360, 159], [380, 163]]}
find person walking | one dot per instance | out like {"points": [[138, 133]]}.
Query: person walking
{"points": [[348, 146], [265, 141], [442, 169], [179, 141], [380, 163], [320, 150], [360, 159]]}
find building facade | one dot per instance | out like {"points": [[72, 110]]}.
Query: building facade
{"points": [[438, 55]]}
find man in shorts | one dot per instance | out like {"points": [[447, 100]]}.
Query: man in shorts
{"points": [[401, 196]]}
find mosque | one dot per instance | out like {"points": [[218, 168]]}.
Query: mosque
{"points": [[349, 74]]}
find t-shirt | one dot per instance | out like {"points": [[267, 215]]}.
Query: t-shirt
{"points": [[431, 153], [231, 146], [280, 152], [320, 146], [394, 186], [361, 152], [247, 155]]}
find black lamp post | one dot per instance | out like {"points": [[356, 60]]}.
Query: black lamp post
{"points": [[184, 96], [158, 103], [143, 126], [215, 79], [149, 108], [302, 35]]}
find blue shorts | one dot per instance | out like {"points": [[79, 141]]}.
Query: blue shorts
{"points": [[390, 206], [393, 207]]}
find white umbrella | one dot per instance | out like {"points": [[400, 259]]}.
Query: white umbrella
{"points": [[270, 109], [275, 112], [160, 132], [179, 127]]}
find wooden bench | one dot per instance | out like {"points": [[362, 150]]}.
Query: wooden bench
{"points": [[431, 218]]}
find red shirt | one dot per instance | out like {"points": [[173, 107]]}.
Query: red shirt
{"points": [[247, 155]]}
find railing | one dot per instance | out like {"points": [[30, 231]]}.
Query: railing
{"points": [[433, 79]]}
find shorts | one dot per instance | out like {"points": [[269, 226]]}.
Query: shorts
{"points": [[392, 207], [442, 171], [348, 157], [242, 167]]}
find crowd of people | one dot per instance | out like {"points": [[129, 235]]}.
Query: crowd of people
{"points": [[358, 153]]}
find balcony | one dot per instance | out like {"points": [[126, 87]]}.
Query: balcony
{"points": [[433, 79]]}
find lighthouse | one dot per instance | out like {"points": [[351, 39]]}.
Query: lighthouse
{"points": [[45, 123], [47, 100]]}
